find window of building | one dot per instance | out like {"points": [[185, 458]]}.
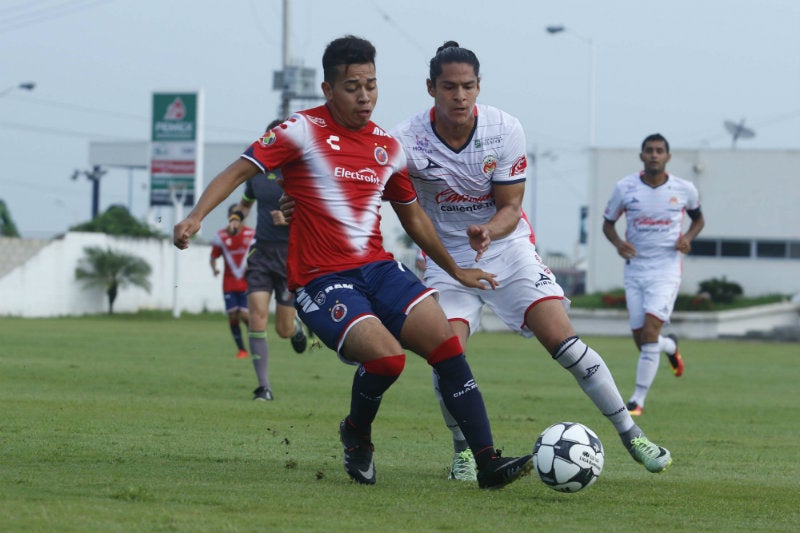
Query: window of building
{"points": [[731, 248], [704, 247], [771, 248]]}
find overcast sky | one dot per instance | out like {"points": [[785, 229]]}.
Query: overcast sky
{"points": [[681, 67]]}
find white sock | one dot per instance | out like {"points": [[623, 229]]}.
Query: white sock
{"points": [[594, 377], [646, 371], [667, 345]]}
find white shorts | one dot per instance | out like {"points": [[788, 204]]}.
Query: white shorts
{"points": [[648, 296], [524, 280]]}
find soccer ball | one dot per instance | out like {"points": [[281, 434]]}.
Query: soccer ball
{"points": [[568, 456]]}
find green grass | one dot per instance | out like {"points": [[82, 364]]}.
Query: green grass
{"points": [[145, 424]]}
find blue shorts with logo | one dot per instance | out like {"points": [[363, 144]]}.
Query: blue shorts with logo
{"points": [[235, 300], [332, 304]]}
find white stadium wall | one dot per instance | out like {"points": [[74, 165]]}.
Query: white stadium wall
{"points": [[45, 284]]}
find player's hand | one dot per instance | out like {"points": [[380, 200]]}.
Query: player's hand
{"points": [[277, 218], [683, 245], [476, 278], [286, 204], [626, 250], [479, 239], [216, 271], [183, 231]]}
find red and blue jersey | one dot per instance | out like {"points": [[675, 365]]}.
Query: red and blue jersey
{"points": [[337, 178]]}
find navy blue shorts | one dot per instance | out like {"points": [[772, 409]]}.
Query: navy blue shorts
{"points": [[235, 300], [332, 304]]}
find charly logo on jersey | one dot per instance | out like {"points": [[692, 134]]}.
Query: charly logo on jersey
{"points": [[489, 165], [367, 175], [543, 280], [268, 138], [519, 166], [338, 312], [318, 121], [381, 155]]}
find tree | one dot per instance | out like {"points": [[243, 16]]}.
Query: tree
{"points": [[112, 271], [117, 221], [7, 227]]}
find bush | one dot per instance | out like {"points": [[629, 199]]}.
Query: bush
{"points": [[720, 290]]}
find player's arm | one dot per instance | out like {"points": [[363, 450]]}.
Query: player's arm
{"points": [[236, 220], [624, 248], [219, 189], [420, 228], [508, 204], [684, 243]]}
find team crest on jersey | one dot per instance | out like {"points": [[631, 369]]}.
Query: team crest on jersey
{"points": [[381, 156], [318, 121], [519, 165], [268, 138], [489, 164], [338, 312]]}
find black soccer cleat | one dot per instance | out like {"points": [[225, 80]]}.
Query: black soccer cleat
{"points": [[358, 450], [299, 340], [500, 471]]}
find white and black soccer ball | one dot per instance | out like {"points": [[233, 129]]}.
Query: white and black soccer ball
{"points": [[568, 456]]}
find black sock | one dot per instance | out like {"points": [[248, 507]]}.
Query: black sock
{"points": [[464, 401], [236, 331], [366, 397]]}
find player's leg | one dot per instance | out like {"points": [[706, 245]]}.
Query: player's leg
{"points": [[232, 311], [596, 381], [343, 319], [655, 298], [462, 306], [258, 304]]}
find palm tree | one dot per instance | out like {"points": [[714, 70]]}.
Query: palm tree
{"points": [[112, 271]]}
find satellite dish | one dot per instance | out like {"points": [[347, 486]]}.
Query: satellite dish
{"points": [[738, 131]]}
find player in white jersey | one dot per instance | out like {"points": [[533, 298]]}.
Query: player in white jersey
{"points": [[654, 204], [350, 291], [468, 165]]}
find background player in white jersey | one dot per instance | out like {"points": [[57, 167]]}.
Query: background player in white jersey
{"points": [[654, 203], [467, 162], [338, 165]]}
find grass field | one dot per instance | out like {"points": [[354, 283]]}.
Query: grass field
{"points": [[145, 424]]}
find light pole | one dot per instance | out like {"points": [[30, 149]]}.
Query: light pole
{"points": [[555, 29], [24, 86]]}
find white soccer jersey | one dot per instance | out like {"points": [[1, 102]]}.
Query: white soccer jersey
{"points": [[454, 187], [654, 217]]}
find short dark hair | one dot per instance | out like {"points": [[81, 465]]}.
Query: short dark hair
{"points": [[653, 138], [273, 124], [347, 50], [451, 52], [232, 208]]}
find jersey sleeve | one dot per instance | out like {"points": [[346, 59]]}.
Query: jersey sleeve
{"points": [[278, 146], [513, 163], [615, 206], [692, 197], [399, 188]]}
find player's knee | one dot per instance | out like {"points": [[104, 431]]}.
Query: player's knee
{"points": [[446, 350], [386, 366]]}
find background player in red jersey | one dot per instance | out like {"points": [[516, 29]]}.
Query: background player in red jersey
{"points": [[232, 245], [338, 165]]}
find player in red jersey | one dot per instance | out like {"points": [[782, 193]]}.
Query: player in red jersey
{"points": [[338, 165], [232, 245]]}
